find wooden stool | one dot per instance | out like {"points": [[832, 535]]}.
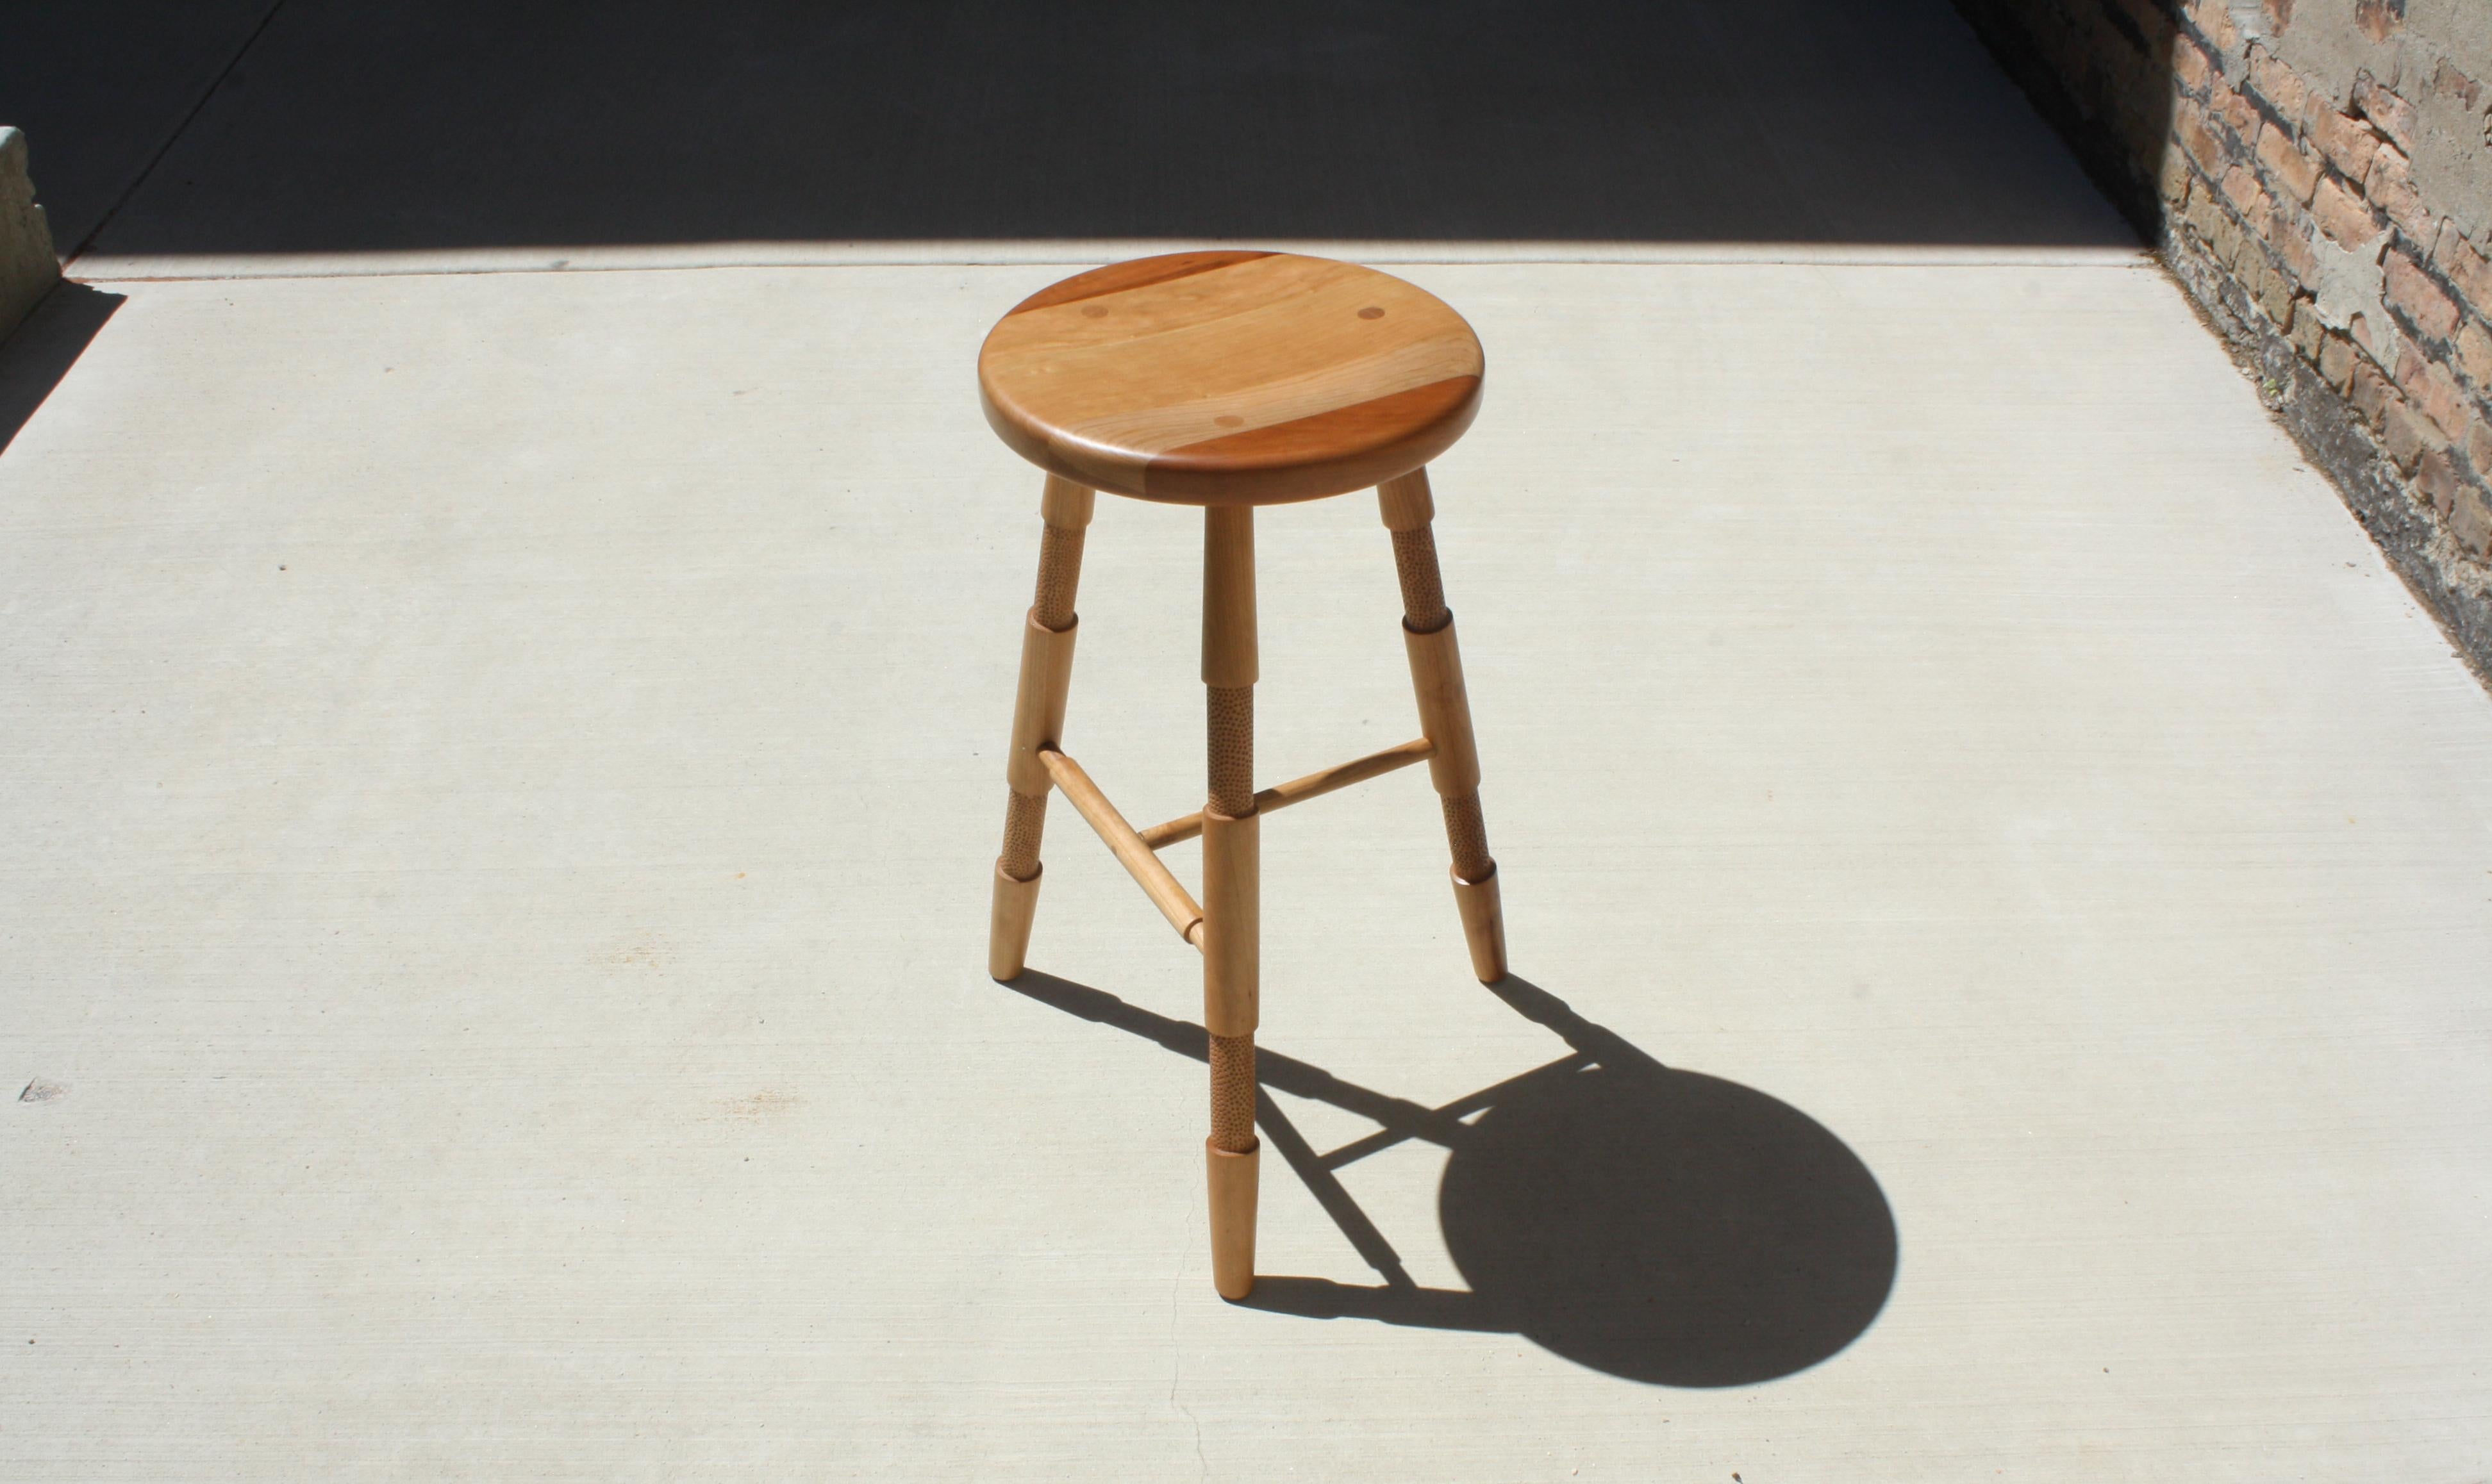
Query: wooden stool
{"points": [[1230, 380]]}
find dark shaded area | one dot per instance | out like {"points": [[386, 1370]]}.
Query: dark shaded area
{"points": [[465, 124], [1658, 1224], [1669, 1227], [100, 86], [35, 357], [2113, 107]]}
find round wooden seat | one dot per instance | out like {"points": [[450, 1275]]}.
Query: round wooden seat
{"points": [[1230, 378]]}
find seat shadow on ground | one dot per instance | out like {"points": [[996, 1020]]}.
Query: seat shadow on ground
{"points": [[1654, 1224], [461, 124]]}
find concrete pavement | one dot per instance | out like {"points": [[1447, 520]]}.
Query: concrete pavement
{"points": [[505, 767], [505, 760]]}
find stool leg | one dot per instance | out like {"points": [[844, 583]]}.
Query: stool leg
{"points": [[1444, 715], [1231, 890], [1038, 718]]}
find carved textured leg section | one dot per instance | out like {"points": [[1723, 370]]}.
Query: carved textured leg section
{"points": [[1024, 822], [1444, 715], [1060, 574], [1229, 750], [1231, 890], [1467, 834], [1038, 717], [1423, 581], [1233, 1093]]}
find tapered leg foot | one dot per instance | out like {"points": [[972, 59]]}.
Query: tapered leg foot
{"points": [[1446, 715], [1483, 924], [1038, 718], [1016, 907], [1234, 1184]]}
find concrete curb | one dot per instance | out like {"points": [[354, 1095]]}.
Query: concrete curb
{"points": [[29, 270], [1067, 252]]}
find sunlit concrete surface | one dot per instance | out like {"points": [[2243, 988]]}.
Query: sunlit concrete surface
{"points": [[503, 772]]}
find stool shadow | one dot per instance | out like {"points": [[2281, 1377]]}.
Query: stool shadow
{"points": [[1654, 1224]]}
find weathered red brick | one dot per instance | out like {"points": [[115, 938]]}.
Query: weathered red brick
{"points": [[2280, 85], [2391, 189], [2336, 358], [2306, 332], [2432, 388], [2344, 216], [2272, 290], [2215, 23], [2412, 290], [2479, 448], [2239, 185], [2286, 165], [2190, 127], [2289, 236], [2226, 235], [2436, 480], [2239, 113], [2475, 353], [2250, 269], [2348, 143], [2447, 404], [2191, 66], [2172, 178], [2471, 523], [2369, 392], [2249, 198], [2219, 96], [2207, 218], [2394, 116], [2465, 267], [2407, 434]]}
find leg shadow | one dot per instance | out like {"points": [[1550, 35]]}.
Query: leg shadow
{"points": [[1658, 1224]]}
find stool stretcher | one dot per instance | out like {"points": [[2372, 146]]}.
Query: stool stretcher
{"points": [[1297, 790], [1155, 879]]}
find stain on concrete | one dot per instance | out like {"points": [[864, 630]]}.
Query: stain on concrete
{"points": [[761, 1105]]}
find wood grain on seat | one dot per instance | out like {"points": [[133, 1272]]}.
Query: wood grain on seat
{"points": [[1230, 377]]}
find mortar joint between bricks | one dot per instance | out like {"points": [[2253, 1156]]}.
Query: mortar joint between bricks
{"points": [[2260, 104]]}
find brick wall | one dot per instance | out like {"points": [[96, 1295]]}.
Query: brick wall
{"points": [[2318, 174]]}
